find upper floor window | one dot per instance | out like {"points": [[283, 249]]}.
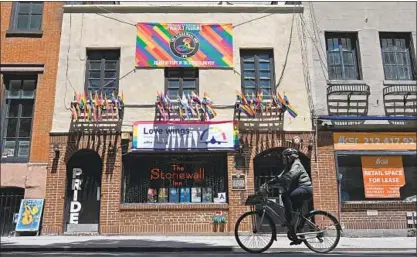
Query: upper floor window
{"points": [[181, 81], [17, 117], [342, 56], [27, 16], [257, 72], [397, 56], [103, 71]]}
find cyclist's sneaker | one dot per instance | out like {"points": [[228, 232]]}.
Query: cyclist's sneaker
{"points": [[296, 242]]}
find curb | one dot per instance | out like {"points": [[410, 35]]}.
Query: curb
{"points": [[180, 249]]}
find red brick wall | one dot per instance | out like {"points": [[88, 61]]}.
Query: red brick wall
{"points": [[324, 175], [37, 50], [116, 218]]}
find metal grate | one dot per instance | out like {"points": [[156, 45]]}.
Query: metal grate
{"points": [[10, 199]]}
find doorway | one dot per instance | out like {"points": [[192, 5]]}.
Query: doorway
{"points": [[83, 192]]}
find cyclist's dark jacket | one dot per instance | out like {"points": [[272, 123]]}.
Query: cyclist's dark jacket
{"points": [[295, 177]]}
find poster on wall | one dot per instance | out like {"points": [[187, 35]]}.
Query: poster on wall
{"points": [[184, 45], [383, 176], [185, 135], [30, 215]]}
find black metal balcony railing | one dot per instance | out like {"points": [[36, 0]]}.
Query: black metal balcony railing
{"points": [[400, 100], [348, 100]]}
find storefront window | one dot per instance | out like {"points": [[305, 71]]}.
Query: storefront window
{"points": [[381, 181], [175, 178]]}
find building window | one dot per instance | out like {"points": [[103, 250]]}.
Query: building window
{"points": [[353, 186], [175, 178], [257, 72], [397, 56], [17, 126], [27, 16], [181, 81], [103, 71], [342, 56]]}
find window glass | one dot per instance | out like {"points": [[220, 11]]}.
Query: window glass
{"points": [[342, 56], [181, 81], [103, 71], [27, 16], [353, 185], [20, 93], [174, 178], [257, 72], [396, 56]]}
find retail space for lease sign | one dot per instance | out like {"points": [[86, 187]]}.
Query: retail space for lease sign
{"points": [[185, 135], [383, 176], [184, 45]]}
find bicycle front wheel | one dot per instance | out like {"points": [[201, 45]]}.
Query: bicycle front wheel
{"points": [[321, 231], [255, 232]]}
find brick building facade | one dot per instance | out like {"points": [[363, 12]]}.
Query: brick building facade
{"points": [[30, 35]]}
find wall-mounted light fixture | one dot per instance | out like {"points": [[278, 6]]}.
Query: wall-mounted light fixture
{"points": [[56, 150]]}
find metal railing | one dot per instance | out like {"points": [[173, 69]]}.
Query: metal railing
{"points": [[9, 206]]}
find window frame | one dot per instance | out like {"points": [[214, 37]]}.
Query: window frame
{"points": [[15, 15], [181, 79], [6, 78], [381, 201], [408, 40], [102, 53], [130, 158], [353, 36], [255, 53]]}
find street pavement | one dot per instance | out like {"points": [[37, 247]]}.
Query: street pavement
{"points": [[218, 254]]}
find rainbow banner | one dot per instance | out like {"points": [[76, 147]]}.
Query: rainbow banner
{"points": [[184, 45], [185, 135]]}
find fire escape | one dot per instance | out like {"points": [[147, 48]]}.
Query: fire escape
{"points": [[348, 100], [400, 100]]}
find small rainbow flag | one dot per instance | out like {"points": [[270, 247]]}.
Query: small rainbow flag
{"points": [[241, 97], [206, 99], [210, 112], [247, 111]]}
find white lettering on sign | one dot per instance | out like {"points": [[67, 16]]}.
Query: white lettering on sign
{"points": [[75, 207]]}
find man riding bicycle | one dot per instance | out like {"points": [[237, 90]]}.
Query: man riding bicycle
{"points": [[296, 184]]}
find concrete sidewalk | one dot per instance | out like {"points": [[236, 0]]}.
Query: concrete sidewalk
{"points": [[184, 243]]}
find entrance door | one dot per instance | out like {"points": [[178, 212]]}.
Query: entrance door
{"points": [[82, 210]]}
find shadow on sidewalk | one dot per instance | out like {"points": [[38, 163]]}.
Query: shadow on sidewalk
{"points": [[116, 245]]}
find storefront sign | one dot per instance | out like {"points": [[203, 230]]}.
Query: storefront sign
{"points": [[238, 181], [383, 176], [30, 215], [184, 45], [183, 135], [375, 141], [176, 175], [75, 207]]}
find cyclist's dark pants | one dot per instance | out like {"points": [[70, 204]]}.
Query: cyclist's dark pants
{"points": [[295, 200]]}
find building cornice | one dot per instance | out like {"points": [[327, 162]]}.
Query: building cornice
{"points": [[183, 8]]}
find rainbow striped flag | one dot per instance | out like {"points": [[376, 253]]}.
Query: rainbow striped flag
{"points": [[206, 99], [247, 111], [211, 114], [241, 97]]}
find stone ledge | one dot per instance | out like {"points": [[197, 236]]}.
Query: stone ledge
{"points": [[180, 207]]}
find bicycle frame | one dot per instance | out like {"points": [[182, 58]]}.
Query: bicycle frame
{"points": [[299, 216]]}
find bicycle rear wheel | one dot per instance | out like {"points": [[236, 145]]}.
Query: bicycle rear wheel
{"points": [[248, 227], [321, 227]]}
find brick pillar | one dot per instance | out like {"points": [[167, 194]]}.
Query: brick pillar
{"points": [[56, 178], [111, 189], [324, 175]]}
